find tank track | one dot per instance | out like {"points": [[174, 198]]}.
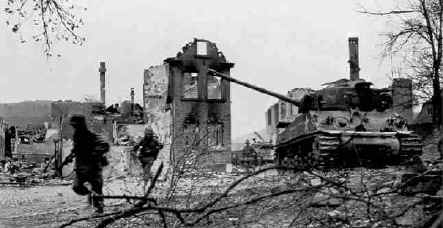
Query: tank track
{"points": [[324, 150], [410, 146], [321, 154]]}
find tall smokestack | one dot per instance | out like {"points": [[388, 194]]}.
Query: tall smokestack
{"points": [[102, 71], [354, 67], [132, 100]]}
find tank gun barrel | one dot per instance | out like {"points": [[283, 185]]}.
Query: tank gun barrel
{"points": [[256, 88]]}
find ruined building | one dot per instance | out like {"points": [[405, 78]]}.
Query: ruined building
{"points": [[200, 103], [402, 97], [155, 90], [190, 108], [27, 113], [423, 123]]}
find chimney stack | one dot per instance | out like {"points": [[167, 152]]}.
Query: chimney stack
{"points": [[132, 100], [354, 67], [102, 71]]}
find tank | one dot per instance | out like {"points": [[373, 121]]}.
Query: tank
{"points": [[347, 123]]}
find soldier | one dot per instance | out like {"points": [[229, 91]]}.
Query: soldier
{"points": [[89, 150], [148, 149], [250, 155]]}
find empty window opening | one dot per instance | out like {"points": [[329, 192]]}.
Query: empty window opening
{"points": [[282, 111], [190, 85], [202, 48], [269, 114], [214, 88], [215, 135]]}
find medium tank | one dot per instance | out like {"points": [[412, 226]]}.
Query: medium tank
{"points": [[347, 123]]}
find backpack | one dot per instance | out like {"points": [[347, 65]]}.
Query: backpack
{"points": [[101, 148]]}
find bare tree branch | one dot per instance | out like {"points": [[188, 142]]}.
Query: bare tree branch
{"points": [[419, 38], [53, 20]]}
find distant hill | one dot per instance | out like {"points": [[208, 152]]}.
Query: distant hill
{"points": [[26, 112]]}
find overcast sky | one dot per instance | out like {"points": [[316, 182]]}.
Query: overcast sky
{"points": [[279, 45]]}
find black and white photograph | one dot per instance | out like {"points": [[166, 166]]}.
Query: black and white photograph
{"points": [[221, 114]]}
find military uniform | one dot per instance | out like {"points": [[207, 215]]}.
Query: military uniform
{"points": [[149, 148], [250, 157], [88, 151]]}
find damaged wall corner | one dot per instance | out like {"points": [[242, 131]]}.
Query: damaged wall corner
{"points": [[156, 111]]}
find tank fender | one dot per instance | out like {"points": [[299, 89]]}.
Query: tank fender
{"points": [[391, 142]]}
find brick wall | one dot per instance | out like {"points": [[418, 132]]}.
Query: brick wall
{"points": [[402, 97], [157, 116], [201, 126]]}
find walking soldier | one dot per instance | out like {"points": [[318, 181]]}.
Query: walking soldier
{"points": [[147, 150], [89, 153]]}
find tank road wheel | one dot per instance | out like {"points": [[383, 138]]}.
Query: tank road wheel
{"points": [[324, 151], [410, 147], [291, 158]]}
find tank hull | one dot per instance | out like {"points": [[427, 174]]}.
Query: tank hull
{"points": [[332, 148]]}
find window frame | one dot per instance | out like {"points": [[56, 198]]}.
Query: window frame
{"points": [[197, 49], [222, 98], [184, 98], [217, 133]]}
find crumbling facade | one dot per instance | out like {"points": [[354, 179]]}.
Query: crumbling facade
{"points": [[200, 103], [156, 112], [402, 97], [281, 114], [155, 91]]}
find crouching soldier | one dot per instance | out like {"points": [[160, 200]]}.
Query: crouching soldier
{"points": [[89, 153], [147, 150]]}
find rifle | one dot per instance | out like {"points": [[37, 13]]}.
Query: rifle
{"points": [[51, 160], [67, 160]]}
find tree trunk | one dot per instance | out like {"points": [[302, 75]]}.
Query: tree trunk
{"points": [[436, 100]]}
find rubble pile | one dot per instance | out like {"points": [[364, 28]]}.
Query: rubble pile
{"points": [[430, 150], [24, 174], [358, 197]]}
